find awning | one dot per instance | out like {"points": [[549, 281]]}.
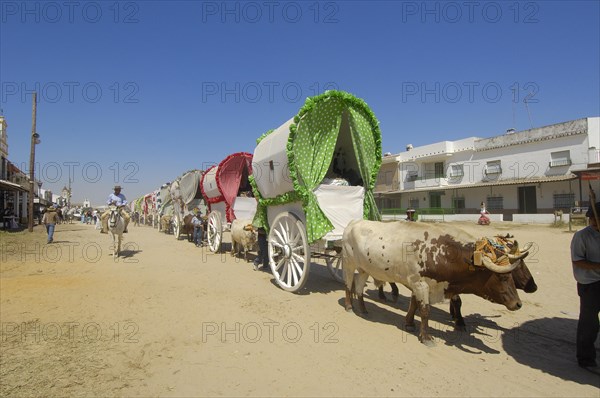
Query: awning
{"points": [[589, 174], [11, 186], [513, 181]]}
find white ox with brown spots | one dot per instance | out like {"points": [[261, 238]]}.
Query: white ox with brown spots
{"points": [[434, 262]]}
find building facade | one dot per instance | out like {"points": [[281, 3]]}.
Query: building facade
{"points": [[531, 172]]}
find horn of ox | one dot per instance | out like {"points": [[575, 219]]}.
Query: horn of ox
{"points": [[523, 253], [527, 247], [501, 269]]}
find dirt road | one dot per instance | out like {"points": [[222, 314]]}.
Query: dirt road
{"points": [[170, 319]]}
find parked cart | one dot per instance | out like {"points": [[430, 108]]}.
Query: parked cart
{"points": [[317, 173], [227, 191], [185, 196]]}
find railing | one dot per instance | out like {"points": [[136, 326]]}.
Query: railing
{"points": [[494, 170], [560, 163], [577, 214]]}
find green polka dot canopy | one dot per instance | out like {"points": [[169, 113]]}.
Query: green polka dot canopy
{"points": [[310, 150]]}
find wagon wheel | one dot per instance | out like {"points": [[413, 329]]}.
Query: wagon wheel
{"points": [[214, 233], [335, 268], [176, 227], [289, 254]]}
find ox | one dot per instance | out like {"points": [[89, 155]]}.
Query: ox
{"points": [[166, 225], [433, 262], [244, 236], [187, 227], [521, 276]]}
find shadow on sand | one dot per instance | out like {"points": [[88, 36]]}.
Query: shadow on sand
{"points": [[548, 344]]}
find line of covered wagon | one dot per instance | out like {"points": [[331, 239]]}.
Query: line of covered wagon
{"points": [[304, 185], [304, 182]]}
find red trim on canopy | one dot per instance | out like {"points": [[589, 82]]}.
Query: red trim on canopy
{"points": [[229, 175]]}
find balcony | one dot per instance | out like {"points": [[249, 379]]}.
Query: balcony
{"points": [[560, 163], [493, 171], [414, 181]]}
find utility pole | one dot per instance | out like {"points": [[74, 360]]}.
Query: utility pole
{"points": [[34, 137], [69, 194]]}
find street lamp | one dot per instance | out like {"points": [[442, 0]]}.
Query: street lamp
{"points": [[35, 139]]}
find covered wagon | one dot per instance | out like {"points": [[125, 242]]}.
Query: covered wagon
{"points": [[227, 191], [149, 209], [185, 196], [165, 209], [312, 176]]}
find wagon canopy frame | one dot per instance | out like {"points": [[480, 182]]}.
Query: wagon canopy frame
{"points": [[309, 141], [166, 202], [185, 192], [222, 182]]}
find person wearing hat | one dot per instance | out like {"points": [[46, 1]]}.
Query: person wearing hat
{"points": [[49, 220], [198, 228], [119, 200], [585, 257]]}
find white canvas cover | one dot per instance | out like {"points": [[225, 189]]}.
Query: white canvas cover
{"points": [[189, 185], [209, 184], [273, 180], [341, 204], [175, 195], [166, 210], [244, 208]]}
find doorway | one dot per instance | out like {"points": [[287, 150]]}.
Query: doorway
{"points": [[527, 200]]}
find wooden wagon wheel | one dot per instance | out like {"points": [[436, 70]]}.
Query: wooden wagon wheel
{"points": [[214, 233], [334, 266], [289, 253], [176, 226]]}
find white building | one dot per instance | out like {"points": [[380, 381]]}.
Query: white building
{"points": [[530, 172]]}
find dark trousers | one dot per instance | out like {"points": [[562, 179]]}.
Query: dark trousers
{"points": [[588, 325], [263, 249], [198, 235]]}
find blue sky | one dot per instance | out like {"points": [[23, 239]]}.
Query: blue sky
{"points": [[138, 92]]}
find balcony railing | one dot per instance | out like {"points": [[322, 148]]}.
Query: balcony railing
{"points": [[494, 170], [560, 163]]}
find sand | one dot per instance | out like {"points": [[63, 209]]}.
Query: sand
{"points": [[170, 319]]}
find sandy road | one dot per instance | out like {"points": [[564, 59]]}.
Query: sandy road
{"points": [[170, 319]]}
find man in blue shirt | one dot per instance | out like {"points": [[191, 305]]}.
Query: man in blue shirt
{"points": [[198, 228], [119, 200], [585, 257]]}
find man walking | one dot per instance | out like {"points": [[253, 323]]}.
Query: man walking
{"points": [[49, 220]]}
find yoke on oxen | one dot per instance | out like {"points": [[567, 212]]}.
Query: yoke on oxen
{"points": [[498, 250]]}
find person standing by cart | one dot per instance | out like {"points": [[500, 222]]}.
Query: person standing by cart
{"points": [[585, 257], [262, 260], [198, 225]]}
